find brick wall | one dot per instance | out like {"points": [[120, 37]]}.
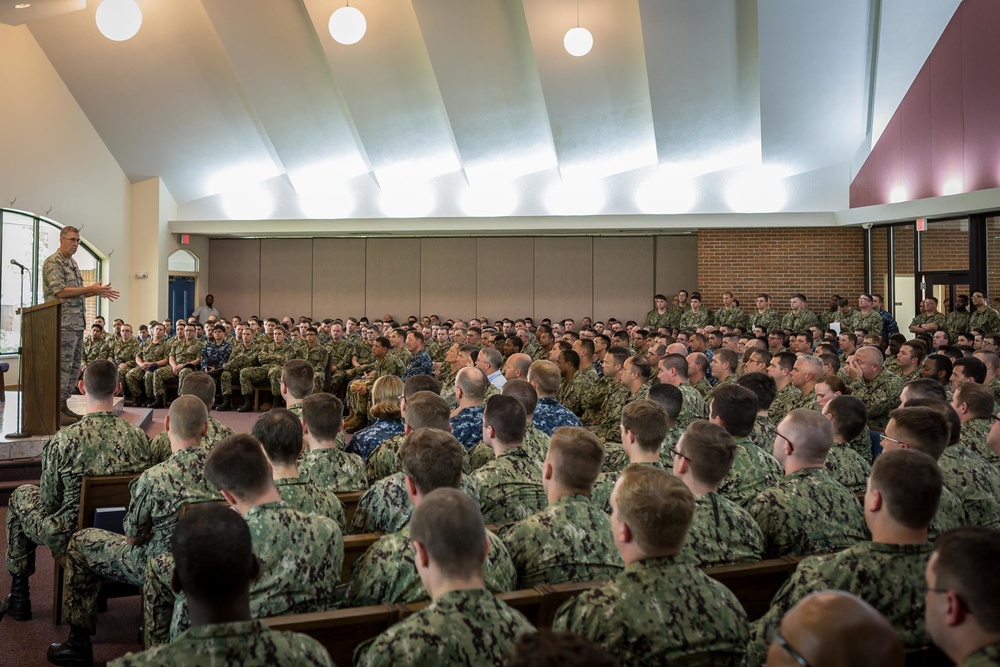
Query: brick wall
{"points": [[993, 255], [815, 261]]}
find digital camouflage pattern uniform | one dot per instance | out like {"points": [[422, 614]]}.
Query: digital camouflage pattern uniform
{"points": [[242, 356], [769, 319], [384, 460], [933, 318], [370, 437], [125, 352], [733, 317], [420, 364], [871, 323], [975, 433], [988, 656], [975, 482], [949, 515], [986, 318], [385, 507], [808, 512], [183, 353], [319, 358], [753, 471], [140, 382], [301, 494], [880, 396], [159, 449], [571, 394], [764, 432], [536, 443], [387, 574], [848, 468], [609, 419], [722, 532], [59, 272], [957, 322], [889, 577], [271, 357], [693, 406], [390, 364], [467, 426], [334, 470], [600, 495], [243, 643], [703, 387], [101, 443], [784, 402], [340, 359], [510, 487], [570, 540], [799, 321], [692, 321], [809, 402], [594, 398], [550, 415], [467, 627], [156, 497], [658, 611], [655, 320]]}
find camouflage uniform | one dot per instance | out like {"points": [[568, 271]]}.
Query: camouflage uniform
{"points": [[808, 512], [385, 507], [956, 323], [769, 319], [693, 406], [753, 471], [880, 396], [301, 556], [479, 456], [334, 470], [658, 611], [243, 643], [319, 358], [732, 316], [159, 449], [692, 321], [871, 323], [59, 272], [272, 357], [862, 444], [183, 353], [340, 358], [985, 318], [800, 321], [387, 365], [609, 419], [809, 402], [975, 433], [570, 540], [467, 627], [302, 495], [593, 399], [510, 487], [125, 353], [994, 386], [467, 426], [384, 460], [420, 364], [654, 320], [387, 574], [722, 532], [536, 443], [848, 468], [934, 318], [600, 494], [242, 356], [138, 378], [550, 415], [764, 433], [949, 515], [975, 482], [369, 438], [571, 393], [889, 577], [784, 402], [703, 386], [99, 444], [156, 497]]}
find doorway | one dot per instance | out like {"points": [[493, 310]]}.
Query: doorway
{"points": [[181, 297]]}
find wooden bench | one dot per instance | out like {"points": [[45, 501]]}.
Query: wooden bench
{"points": [[354, 548], [528, 601], [96, 492], [340, 631], [754, 584], [350, 500], [556, 594]]}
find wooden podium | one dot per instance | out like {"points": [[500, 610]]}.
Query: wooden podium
{"points": [[40, 373]]}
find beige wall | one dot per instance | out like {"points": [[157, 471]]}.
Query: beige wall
{"points": [[453, 277]]}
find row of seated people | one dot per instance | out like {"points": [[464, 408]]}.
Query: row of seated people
{"points": [[93, 555]]}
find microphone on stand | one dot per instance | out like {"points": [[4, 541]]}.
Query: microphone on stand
{"points": [[18, 264]]}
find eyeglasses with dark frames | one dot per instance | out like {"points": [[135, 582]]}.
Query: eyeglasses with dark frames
{"points": [[673, 452], [774, 637]]}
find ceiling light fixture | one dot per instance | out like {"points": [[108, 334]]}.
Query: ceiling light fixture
{"points": [[23, 5], [348, 25], [119, 20], [578, 41]]}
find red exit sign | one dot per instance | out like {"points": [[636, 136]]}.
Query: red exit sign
{"points": [[921, 224]]}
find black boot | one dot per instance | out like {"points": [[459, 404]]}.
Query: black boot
{"points": [[156, 403], [227, 404], [247, 404], [77, 650], [17, 605]]}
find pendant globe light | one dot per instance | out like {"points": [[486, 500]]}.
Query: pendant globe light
{"points": [[119, 20], [578, 41], [348, 25]]}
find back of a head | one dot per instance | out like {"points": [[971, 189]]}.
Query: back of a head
{"points": [[762, 385], [925, 388], [385, 397], [433, 458], [657, 507], [811, 434], [298, 375], [472, 382], [910, 483], [524, 392], [238, 465], [427, 410], [737, 407], [668, 397], [922, 428], [213, 554], [849, 414], [449, 525], [507, 417], [421, 383], [576, 456], [546, 377], [324, 415], [710, 451], [964, 563], [100, 379], [188, 416], [201, 385], [838, 629], [280, 433], [947, 412], [648, 421], [546, 648]]}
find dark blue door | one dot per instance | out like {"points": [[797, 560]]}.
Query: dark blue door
{"points": [[181, 297]]}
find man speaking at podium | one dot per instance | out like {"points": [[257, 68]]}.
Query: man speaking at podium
{"points": [[62, 280]]}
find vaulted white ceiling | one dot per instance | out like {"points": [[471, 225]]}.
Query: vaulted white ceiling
{"points": [[456, 108]]}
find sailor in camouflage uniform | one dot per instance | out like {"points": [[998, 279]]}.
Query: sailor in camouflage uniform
{"points": [[764, 316], [788, 395], [272, 356], [673, 369], [157, 495], [977, 419], [929, 319], [575, 384], [358, 391], [868, 319], [549, 414], [695, 317], [317, 356], [730, 314], [876, 387], [341, 351], [243, 355], [467, 418], [847, 415], [98, 345], [734, 408], [125, 352], [201, 385], [799, 317], [626, 615], [184, 359], [153, 354], [215, 353], [642, 430], [215, 565], [984, 318], [886, 572], [324, 464], [387, 573], [660, 315], [464, 624], [101, 443], [721, 531]]}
